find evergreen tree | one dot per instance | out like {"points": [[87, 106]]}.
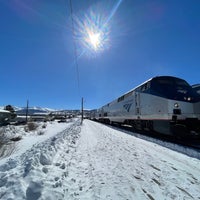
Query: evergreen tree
{"points": [[10, 109]]}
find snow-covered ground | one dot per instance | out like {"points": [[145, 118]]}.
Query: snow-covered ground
{"points": [[93, 161]]}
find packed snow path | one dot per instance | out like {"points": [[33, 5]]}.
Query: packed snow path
{"points": [[93, 161]]}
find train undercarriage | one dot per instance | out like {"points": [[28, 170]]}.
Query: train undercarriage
{"points": [[189, 128]]}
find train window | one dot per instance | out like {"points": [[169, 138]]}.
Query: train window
{"points": [[148, 85], [145, 87], [138, 89], [165, 82], [120, 98], [174, 88], [181, 83]]}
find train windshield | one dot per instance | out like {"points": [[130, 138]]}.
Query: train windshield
{"points": [[174, 88]]}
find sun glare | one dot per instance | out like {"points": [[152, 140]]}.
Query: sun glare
{"points": [[95, 40], [93, 29], [92, 34]]}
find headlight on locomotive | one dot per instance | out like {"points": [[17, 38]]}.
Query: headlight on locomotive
{"points": [[176, 105], [176, 110]]}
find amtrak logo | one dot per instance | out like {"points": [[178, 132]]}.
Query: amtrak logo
{"points": [[127, 106]]}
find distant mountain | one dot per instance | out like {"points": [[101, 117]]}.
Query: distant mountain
{"points": [[32, 110]]}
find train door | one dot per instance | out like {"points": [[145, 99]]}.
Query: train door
{"points": [[137, 104]]}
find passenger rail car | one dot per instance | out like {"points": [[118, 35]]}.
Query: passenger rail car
{"points": [[164, 104]]}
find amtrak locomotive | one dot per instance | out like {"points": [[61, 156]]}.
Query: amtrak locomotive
{"points": [[196, 87], [163, 104]]}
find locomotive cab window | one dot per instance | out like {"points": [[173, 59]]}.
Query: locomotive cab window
{"points": [[173, 88]]}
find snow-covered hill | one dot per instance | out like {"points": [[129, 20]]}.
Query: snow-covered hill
{"points": [[93, 161], [36, 109], [31, 110]]}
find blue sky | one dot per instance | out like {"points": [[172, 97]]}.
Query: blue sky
{"points": [[142, 39]]}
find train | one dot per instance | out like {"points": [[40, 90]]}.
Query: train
{"points": [[164, 104], [196, 87]]}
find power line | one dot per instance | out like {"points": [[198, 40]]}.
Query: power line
{"points": [[75, 48]]}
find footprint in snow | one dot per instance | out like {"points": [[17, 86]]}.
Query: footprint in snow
{"points": [[62, 166], [34, 190], [45, 170]]}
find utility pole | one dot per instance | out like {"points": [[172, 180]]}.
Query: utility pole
{"points": [[82, 111], [27, 111]]}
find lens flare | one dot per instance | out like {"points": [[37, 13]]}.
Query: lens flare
{"points": [[91, 35], [92, 29]]}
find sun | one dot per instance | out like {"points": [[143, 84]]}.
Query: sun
{"points": [[93, 30], [95, 40], [92, 33]]}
